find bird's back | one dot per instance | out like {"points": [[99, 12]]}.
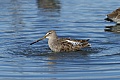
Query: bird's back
{"points": [[65, 44]]}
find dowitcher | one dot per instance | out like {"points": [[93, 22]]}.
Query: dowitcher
{"points": [[63, 44], [114, 16]]}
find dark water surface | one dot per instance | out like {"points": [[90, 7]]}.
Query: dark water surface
{"points": [[24, 21]]}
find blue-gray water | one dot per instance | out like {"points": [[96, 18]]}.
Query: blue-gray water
{"points": [[24, 21]]}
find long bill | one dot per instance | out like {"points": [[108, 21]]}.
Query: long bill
{"points": [[38, 40]]}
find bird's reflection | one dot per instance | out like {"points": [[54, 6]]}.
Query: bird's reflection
{"points": [[55, 58], [115, 28], [48, 4]]}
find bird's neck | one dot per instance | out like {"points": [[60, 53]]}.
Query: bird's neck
{"points": [[51, 41]]}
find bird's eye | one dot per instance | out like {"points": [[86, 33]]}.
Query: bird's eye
{"points": [[49, 33]]}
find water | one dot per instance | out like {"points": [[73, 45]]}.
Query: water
{"points": [[24, 21]]}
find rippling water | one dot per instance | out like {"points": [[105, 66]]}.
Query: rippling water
{"points": [[24, 21]]}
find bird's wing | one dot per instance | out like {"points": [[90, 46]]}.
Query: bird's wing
{"points": [[74, 42], [66, 44]]}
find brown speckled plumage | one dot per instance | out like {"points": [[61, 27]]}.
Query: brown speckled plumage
{"points": [[63, 44], [114, 16]]}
